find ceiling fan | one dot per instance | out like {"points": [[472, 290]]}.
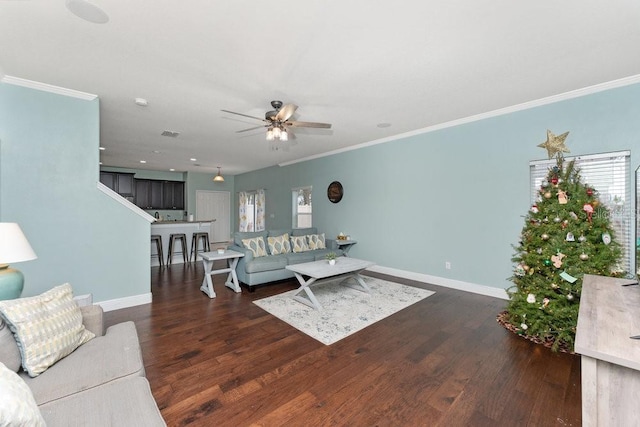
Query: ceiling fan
{"points": [[278, 121]]}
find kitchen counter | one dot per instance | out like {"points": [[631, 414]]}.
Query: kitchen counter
{"points": [[166, 228]]}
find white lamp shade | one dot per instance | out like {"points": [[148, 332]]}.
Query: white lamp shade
{"points": [[14, 246]]}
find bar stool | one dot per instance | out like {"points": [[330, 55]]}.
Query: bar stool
{"points": [[179, 237], [195, 239], [158, 241]]}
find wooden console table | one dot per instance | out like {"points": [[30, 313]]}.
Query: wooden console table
{"points": [[609, 315]]}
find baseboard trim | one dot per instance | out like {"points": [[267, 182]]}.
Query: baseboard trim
{"points": [[132, 301], [442, 281]]}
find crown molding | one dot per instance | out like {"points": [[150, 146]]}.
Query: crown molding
{"points": [[48, 88], [627, 81]]}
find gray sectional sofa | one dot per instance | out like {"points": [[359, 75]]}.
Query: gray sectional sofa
{"points": [[101, 383], [253, 270]]}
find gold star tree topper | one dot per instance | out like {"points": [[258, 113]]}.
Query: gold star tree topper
{"points": [[555, 143]]}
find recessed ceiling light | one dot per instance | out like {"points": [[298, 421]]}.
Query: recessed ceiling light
{"points": [[172, 170], [193, 160], [143, 161], [384, 125], [87, 11], [156, 152], [141, 102], [101, 148]]}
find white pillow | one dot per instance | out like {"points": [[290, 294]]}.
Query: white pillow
{"points": [[299, 244], [47, 327], [316, 241], [17, 405]]}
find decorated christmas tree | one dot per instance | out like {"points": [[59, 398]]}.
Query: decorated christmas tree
{"points": [[567, 234]]}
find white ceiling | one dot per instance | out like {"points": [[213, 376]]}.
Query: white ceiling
{"points": [[355, 64]]}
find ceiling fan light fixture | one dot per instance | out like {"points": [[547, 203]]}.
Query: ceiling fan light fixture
{"points": [[270, 135], [278, 120], [219, 177]]}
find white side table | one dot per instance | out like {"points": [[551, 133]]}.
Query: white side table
{"points": [[345, 245], [232, 279]]}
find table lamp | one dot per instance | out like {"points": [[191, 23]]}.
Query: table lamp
{"points": [[14, 247]]}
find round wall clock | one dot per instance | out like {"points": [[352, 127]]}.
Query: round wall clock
{"points": [[335, 192]]}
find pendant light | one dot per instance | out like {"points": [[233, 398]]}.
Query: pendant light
{"points": [[219, 177]]}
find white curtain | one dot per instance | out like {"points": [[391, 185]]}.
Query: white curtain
{"points": [[243, 206], [260, 201]]}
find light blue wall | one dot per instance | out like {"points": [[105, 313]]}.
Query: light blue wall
{"points": [[458, 194], [48, 177]]}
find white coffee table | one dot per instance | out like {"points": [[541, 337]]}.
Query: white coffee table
{"points": [[350, 268], [232, 279]]}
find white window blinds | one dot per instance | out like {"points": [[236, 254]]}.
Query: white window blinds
{"points": [[608, 173]]}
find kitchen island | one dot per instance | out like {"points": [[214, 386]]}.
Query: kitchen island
{"points": [[167, 228]]}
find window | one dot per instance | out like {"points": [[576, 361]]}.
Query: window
{"points": [[251, 210], [301, 202], [609, 174]]}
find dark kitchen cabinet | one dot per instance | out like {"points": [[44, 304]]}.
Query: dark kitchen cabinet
{"points": [[121, 183], [173, 195], [149, 194], [108, 179], [125, 184], [156, 194]]}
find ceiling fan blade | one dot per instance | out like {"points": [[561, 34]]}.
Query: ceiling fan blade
{"points": [[253, 128], [286, 112], [298, 124], [245, 115]]}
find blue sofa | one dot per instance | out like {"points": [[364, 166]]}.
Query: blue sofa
{"points": [[254, 271]]}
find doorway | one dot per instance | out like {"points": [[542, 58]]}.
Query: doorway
{"points": [[215, 206]]}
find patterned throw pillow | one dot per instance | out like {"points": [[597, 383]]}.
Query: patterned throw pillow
{"points": [[47, 327], [299, 244], [17, 405], [316, 241], [279, 244], [256, 245]]}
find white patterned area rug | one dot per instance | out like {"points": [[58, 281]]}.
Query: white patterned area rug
{"points": [[345, 310]]}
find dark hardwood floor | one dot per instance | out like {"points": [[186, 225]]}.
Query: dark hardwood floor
{"points": [[443, 361]]}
